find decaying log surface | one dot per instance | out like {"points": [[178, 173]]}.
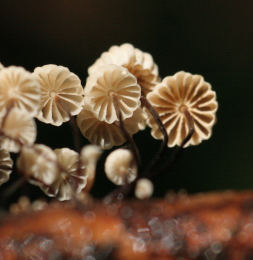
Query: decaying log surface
{"points": [[203, 226]]}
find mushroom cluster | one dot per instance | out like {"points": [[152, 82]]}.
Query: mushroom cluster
{"points": [[122, 95]]}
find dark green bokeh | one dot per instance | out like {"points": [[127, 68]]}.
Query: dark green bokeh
{"points": [[212, 38]]}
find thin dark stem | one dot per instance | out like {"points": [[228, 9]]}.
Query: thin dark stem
{"points": [[158, 121], [77, 147], [75, 130], [169, 163], [127, 136], [124, 191], [76, 134], [13, 188]]}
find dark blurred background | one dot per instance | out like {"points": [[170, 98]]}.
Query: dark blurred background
{"points": [[212, 38]]}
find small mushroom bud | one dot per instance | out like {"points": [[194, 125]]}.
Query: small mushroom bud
{"points": [[120, 167], [144, 189]]}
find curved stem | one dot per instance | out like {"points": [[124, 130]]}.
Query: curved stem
{"points": [[125, 190], [169, 163], [13, 188], [127, 136], [158, 121], [76, 134]]}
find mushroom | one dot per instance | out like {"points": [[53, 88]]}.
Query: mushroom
{"points": [[89, 157], [6, 164], [17, 128], [70, 179], [120, 167], [140, 64], [108, 135], [24, 205], [18, 88], [38, 164], [108, 85], [62, 94], [144, 189], [183, 101]]}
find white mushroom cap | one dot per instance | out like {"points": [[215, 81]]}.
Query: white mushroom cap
{"points": [[180, 93], [18, 127], [90, 153], [63, 187], [105, 85], [123, 55], [144, 189], [89, 157], [98, 132], [137, 122], [38, 164], [62, 94], [19, 88], [146, 71], [140, 64], [120, 167], [6, 164], [108, 135], [24, 205]]}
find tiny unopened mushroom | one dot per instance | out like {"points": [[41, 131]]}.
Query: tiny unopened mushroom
{"points": [[108, 135], [71, 178], [90, 153], [6, 164], [19, 88], [112, 88], [144, 189], [38, 164], [139, 63], [24, 205], [120, 167], [62, 94], [179, 98], [89, 156], [17, 128]]}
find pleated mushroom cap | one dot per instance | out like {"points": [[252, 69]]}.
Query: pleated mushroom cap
{"points": [[120, 167], [123, 55], [6, 164], [146, 71], [62, 94], [18, 88], [108, 135], [63, 188], [107, 84], [176, 95], [38, 164], [18, 128], [98, 132], [139, 63]]}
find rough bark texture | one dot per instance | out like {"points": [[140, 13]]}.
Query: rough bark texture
{"points": [[203, 227]]}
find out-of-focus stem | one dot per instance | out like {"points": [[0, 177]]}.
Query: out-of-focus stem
{"points": [[163, 147]]}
